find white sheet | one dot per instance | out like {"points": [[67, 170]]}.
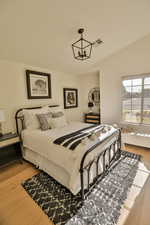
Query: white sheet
{"points": [[41, 142], [50, 168]]}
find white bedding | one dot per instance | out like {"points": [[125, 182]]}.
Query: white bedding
{"points": [[41, 142], [52, 169]]}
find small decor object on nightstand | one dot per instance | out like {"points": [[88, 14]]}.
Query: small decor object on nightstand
{"points": [[10, 149], [2, 119], [93, 118], [90, 105]]}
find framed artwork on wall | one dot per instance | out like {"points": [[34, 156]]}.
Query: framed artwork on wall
{"points": [[70, 98], [38, 84]]}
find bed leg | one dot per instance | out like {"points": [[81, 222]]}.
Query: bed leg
{"points": [[82, 185], [119, 145]]}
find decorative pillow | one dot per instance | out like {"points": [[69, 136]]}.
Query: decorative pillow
{"points": [[58, 117], [57, 114], [58, 122], [30, 119], [44, 120], [56, 109]]}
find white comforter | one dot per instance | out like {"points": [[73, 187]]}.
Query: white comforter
{"points": [[42, 143]]}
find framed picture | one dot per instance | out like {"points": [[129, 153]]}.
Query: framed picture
{"points": [[38, 84], [70, 98]]}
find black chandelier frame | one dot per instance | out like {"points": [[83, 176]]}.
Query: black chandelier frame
{"points": [[82, 54]]}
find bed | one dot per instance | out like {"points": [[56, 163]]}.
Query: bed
{"points": [[77, 154]]}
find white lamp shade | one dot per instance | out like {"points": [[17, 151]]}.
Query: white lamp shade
{"points": [[2, 115]]}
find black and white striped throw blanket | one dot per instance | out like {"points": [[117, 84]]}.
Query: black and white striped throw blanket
{"points": [[72, 140]]}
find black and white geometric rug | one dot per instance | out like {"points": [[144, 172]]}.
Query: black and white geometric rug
{"points": [[102, 206]]}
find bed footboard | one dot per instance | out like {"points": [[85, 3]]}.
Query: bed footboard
{"points": [[106, 158]]}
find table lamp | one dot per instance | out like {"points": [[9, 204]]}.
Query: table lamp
{"points": [[90, 105], [2, 119]]}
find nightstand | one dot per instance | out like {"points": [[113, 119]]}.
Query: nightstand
{"points": [[10, 149], [93, 118]]}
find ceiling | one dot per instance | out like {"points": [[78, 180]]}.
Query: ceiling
{"points": [[40, 32]]}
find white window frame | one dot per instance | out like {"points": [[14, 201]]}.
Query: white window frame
{"points": [[132, 77]]}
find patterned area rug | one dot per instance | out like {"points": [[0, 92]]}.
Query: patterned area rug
{"points": [[102, 206]]}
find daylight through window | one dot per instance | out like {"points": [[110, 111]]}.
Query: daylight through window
{"points": [[136, 99]]}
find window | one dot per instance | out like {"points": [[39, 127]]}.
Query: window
{"points": [[136, 99]]}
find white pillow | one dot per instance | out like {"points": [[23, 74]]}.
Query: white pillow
{"points": [[56, 109], [58, 122], [30, 119]]}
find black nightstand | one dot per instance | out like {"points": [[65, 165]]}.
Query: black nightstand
{"points": [[93, 118], [10, 149]]}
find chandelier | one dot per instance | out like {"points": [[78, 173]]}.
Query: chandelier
{"points": [[82, 48]]}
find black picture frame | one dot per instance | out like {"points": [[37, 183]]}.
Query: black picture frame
{"points": [[38, 84], [72, 101]]}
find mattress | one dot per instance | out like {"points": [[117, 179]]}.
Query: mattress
{"points": [[61, 158]]}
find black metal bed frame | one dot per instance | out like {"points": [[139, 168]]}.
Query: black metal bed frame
{"points": [[21, 118], [115, 147], [113, 151]]}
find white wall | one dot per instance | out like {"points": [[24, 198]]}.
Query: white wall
{"points": [[135, 59], [13, 93], [87, 82]]}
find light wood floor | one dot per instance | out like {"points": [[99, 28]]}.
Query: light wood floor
{"points": [[140, 214], [17, 208], [145, 152]]}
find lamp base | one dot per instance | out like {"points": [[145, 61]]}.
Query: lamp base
{"points": [[90, 110]]}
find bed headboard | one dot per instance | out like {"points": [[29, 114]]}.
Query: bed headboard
{"points": [[19, 118]]}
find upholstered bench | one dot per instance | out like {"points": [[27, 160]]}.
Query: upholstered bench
{"points": [[136, 138]]}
